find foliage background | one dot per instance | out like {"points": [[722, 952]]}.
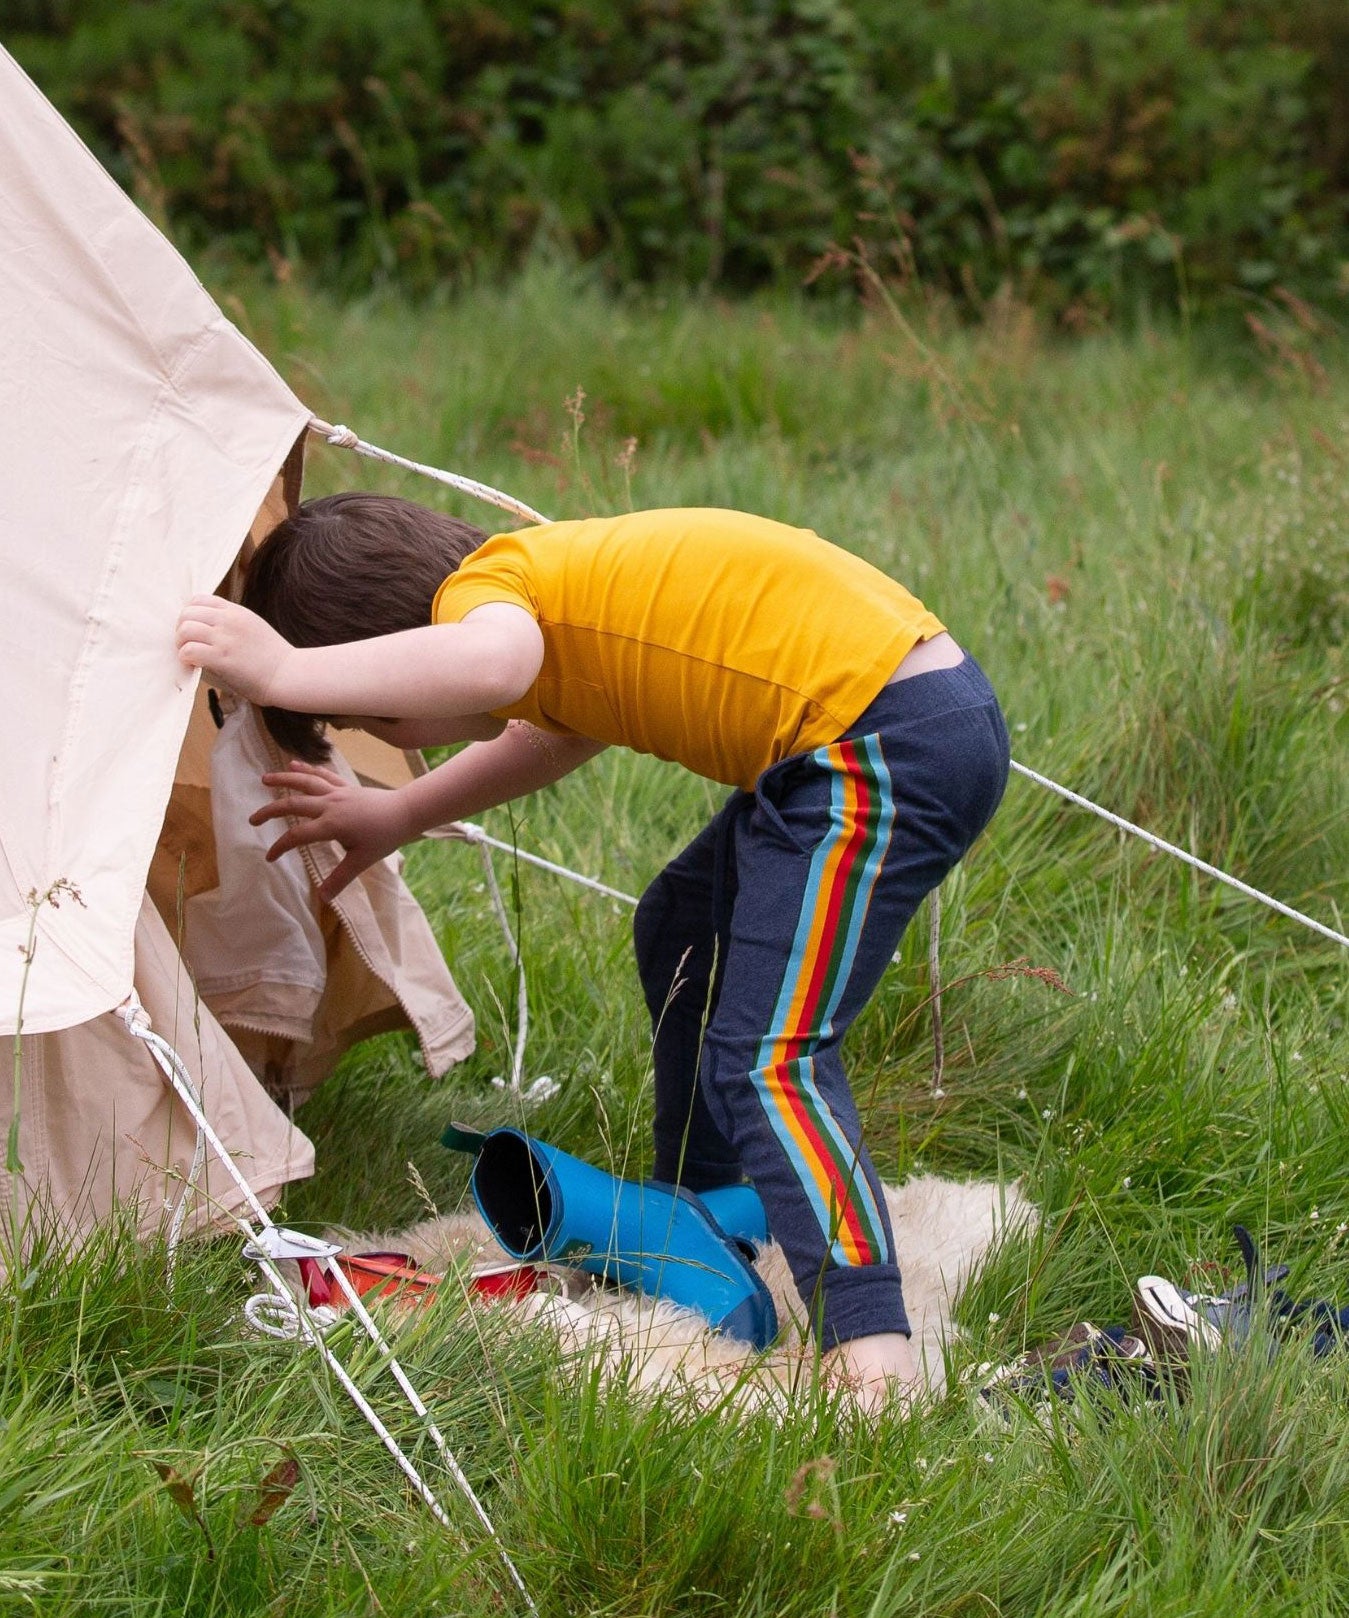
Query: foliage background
{"points": [[1084, 153]]}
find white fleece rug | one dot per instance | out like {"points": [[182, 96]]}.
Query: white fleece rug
{"points": [[943, 1228]]}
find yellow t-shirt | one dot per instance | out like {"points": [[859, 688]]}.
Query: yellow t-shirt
{"points": [[720, 640]]}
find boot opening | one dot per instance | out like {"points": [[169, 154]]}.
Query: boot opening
{"points": [[513, 1192]]}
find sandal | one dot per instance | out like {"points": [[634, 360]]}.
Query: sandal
{"points": [[1089, 1356], [1173, 1321]]}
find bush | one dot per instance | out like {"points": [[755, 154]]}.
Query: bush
{"points": [[1081, 154]]}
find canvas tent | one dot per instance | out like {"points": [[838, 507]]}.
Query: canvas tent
{"points": [[145, 445]]}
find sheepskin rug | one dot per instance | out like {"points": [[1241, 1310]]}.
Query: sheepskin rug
{"points": [[943, 1228]]}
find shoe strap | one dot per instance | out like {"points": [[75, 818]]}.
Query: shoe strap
{"points": [[460, 1138], [1251, 1257]]}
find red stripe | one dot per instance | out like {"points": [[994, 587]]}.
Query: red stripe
{"points": [[819, 967], [844, 1209]]}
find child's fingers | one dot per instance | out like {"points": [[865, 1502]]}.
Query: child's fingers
{"points": [[197, 645], [292, 837], [201, 614], [199, 628], [322, 771], [296, 780], [288, 809], [346, 871], [298, 771], [297, 836]]}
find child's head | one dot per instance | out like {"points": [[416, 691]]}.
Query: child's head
{"points": [[350, 567]]}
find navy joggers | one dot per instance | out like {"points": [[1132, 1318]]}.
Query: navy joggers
{"points": [[796, 896]]}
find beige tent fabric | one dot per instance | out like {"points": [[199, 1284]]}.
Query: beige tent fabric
{"points": [[142, 433], [143, 440], [254, 939], [296, 983], [99, 1126]]}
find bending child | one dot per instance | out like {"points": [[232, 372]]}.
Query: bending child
{"points": [[866, 750]]}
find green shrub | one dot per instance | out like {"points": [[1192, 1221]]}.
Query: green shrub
{"points": [[1081, 154]]}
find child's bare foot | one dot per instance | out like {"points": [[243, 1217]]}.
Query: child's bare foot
{"points": [[875, 1370]]}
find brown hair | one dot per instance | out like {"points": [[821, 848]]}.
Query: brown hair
{"points": [[350, 567]]}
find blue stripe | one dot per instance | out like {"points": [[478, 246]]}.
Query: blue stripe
{"points": [[796, 961], [882, 817]]}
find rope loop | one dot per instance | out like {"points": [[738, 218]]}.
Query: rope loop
{"points": [[134, 1015], [276, 1314]]}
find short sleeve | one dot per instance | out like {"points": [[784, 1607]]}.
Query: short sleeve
{"points": [[492, 573]]}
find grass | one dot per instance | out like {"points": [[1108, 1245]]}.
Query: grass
{"points": [[1143, 537]]}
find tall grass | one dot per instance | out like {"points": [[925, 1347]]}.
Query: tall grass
{"points": [[1143, 539]]}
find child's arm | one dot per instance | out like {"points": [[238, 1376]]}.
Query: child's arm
{"points": [[370, 822], [439, 671]]}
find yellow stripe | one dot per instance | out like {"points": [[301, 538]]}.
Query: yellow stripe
{"points": [[817, 1164], [822, 896], [823, 1184]]}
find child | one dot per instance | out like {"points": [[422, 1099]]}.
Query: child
{"points": [[866, 749]]}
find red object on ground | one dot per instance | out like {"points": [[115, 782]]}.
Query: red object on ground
{"points": [[505, 1281], [387, 1275]]}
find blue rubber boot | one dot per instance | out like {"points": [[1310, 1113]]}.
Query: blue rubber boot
{"points": [[543, 1204], [739, 1214]]}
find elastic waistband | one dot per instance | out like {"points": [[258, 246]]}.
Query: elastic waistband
{"points": [[924, 696]]}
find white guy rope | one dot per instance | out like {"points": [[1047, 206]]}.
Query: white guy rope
{"points": [[467, 831], [344, 438], [175, 1233], [274, 1241], [521, 988], [174, 1069], [1181, 854]]}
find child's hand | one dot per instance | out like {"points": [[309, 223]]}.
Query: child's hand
{"points": [[368, 822], [233, 645]]}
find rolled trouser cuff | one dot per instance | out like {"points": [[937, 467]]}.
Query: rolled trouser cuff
{"points": [[860, 1301]]}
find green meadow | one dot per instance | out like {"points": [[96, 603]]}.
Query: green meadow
{"points": [[1144, 537]]}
